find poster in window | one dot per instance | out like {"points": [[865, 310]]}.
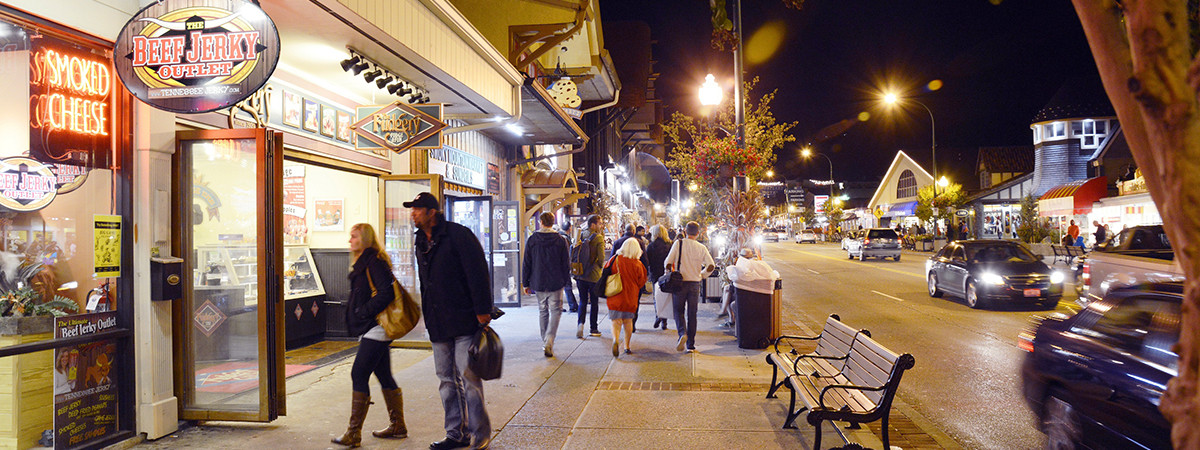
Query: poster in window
{"points": [[328, 121], [106, 231], [85, 394], [312, 116], [328, 215], [343, 126], [293, 108], [295, 228]]}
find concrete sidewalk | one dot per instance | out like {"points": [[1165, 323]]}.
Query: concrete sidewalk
{"points": [[581, 398]]}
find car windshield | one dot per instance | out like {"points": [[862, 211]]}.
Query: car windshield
{"points": [[1000, 253]]}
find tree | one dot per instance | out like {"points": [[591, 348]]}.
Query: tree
{"points": [[833, 211], [1031, 229], [939, 205], [809, 215], [1146, 53]]}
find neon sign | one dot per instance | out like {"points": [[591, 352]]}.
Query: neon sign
{"points": [[70, 103]]}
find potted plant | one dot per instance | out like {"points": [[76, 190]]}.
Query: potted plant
{"points": [[25, 309]]}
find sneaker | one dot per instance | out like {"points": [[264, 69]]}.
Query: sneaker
{"points": [[616, 348], [628, 351], [595, 333], [680, 344], [548, 350], [691, 350], [579, 334], [726, 325]]}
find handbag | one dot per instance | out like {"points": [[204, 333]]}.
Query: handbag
{"points": [[485, 356], [609, 283], [401, 315], [671, 282]]}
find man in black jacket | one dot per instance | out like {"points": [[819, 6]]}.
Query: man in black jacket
{"points": [[546, 270], [456, 298]]}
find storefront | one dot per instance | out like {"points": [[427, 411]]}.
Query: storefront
{"points": [[1131, 208], [1072, 202], [895, 200], [995, 213], [67, 303]]}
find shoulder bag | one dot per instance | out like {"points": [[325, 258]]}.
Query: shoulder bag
{"points": [[609, 283], [672, 281], [401, 315]]}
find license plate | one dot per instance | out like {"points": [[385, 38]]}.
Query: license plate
{"points": [[1033, 292]]}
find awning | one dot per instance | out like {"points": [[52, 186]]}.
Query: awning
{"points": [[542, 187], [542, 121], [1073, 198], [900, 209]]}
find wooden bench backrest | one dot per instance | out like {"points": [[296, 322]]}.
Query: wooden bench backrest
{"points": [[870, 364], [836, 338]]}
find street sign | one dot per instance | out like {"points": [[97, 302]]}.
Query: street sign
{"points": [[794, 195]]}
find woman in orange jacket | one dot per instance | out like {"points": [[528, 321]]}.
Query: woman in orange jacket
{"points": [[623, 306]]}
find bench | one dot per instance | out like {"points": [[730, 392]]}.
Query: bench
{"points": [[860, 391], [1067, 253], [833, 344]]}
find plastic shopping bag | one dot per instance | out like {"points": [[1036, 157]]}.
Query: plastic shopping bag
{"points": [[663, 306], [485, 358]]}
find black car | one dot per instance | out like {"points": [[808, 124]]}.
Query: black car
{"points": [[1095, 379], [990, 271]]}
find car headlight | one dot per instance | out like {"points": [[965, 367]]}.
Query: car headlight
{"points": [[991, 278], [719, 241], [758, 240], [1056, 277]]}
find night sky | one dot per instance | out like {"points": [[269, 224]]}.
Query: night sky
{"points": [[999, 64]]}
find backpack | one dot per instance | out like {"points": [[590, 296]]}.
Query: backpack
{"points": [[581, 254]]}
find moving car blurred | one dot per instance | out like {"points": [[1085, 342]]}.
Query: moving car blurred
{"points": [[1135, 255], [986, 271], [806, 236], [774, 234], [1095, 379], [874, 243]]}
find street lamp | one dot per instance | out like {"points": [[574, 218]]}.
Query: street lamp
{"points": [[710, 92], [807, 152], [890, 99]]}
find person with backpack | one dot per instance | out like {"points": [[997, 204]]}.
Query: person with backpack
{"points": [[587, 259], [545, 271]]}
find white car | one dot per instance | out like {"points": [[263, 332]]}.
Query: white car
{"points": [[806, 236]]}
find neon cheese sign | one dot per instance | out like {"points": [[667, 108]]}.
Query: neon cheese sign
{"points": [[70, 103]]}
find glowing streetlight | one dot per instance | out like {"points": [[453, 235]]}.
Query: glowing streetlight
{"points": [[807, 152], [791, 208], [943, 182], [693, 186], [770, 173], [710, 91], [890, 98]]}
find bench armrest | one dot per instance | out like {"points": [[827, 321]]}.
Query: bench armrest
{"points": [[796, 363], [780, 339], [821, 398]]}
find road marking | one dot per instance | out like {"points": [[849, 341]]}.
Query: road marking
{"points": [[863, 263], [888, 296], [813, 271]]}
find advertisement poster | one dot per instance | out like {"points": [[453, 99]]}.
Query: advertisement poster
{"points": [[106, 232], [295, 228], [85, 392], [329, 215]]}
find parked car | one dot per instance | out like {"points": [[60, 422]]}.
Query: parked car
{"points": [[1136, 255], [1095, 379], [773, 234], [806, 236], [987, 271], [874, 243], [850, 236]]}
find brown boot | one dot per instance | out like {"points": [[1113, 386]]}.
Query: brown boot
{"points": [[394, 398], [358, 411]]}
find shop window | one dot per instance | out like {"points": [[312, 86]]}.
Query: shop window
{"points": [[907, 185]]}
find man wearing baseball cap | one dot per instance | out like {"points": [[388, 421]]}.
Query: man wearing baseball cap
{"points": [[456, 299]]}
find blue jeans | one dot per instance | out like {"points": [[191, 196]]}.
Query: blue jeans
{"points": [[549, 312], [586, 297], [461, 391], [689, 296], [571, 302]]}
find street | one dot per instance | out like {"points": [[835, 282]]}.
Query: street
{"points": [[967, 375]]}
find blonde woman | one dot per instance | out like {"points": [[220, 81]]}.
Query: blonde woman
{"points": [[370, 267], [622, 308]]}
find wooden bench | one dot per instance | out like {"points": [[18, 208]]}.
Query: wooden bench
{"points": [[860, 391], [1067, 253], [833, 344]]}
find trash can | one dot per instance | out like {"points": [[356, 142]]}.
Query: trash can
{"points": [[711, 291], [754, 318]]}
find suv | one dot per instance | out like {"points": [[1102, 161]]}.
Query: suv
{"points": [[874, 243], [1096, 378]]}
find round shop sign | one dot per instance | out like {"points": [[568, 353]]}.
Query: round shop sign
{"points": [[26, 184], [195, 56]]}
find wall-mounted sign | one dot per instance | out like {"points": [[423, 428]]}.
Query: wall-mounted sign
{"points": [[106, 234], [458, 167], [26, 185], [70, 103], [186, 56], [399, 127], [493, 179], [819, 203]]}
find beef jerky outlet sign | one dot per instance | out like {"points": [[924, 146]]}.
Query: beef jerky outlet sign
{"points": [[195, 56]]}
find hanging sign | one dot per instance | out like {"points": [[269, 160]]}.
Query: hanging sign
{"points": [[70, 103], [189, 56], [399, 127], [25, 184]]}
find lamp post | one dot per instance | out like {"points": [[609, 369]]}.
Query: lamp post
{"points": [[807, 152], [892, 99]]}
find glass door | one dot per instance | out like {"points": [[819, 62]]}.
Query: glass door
{"points": [[506, 254], [475, 213], [399, 232], [229, 326]]}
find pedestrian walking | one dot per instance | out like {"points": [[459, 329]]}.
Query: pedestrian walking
{"points": [[695, 262], [591, 258], [370, 272], [456, 299], [622, 308], [572, 303], [546, 271], [631, 234], [656, 257], [1101, 234]]}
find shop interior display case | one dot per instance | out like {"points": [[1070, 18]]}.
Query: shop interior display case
{"points": [[303, 298]]}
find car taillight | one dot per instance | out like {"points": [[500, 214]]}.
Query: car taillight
{"points": [[1025, 341], [867, 241]]}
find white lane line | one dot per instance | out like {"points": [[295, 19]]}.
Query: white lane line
{"points": [[813, 271], [888, 296]]}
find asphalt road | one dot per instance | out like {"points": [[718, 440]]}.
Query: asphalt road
{"points": [[966, 380]]}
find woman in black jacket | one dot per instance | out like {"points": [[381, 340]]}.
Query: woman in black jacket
{"points": [[370, 272], [656, 255]]}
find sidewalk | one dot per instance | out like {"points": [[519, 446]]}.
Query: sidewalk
{"points": [[582, 398]]}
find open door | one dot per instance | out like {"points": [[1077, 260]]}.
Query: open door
{"points": [[229, 339]]}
